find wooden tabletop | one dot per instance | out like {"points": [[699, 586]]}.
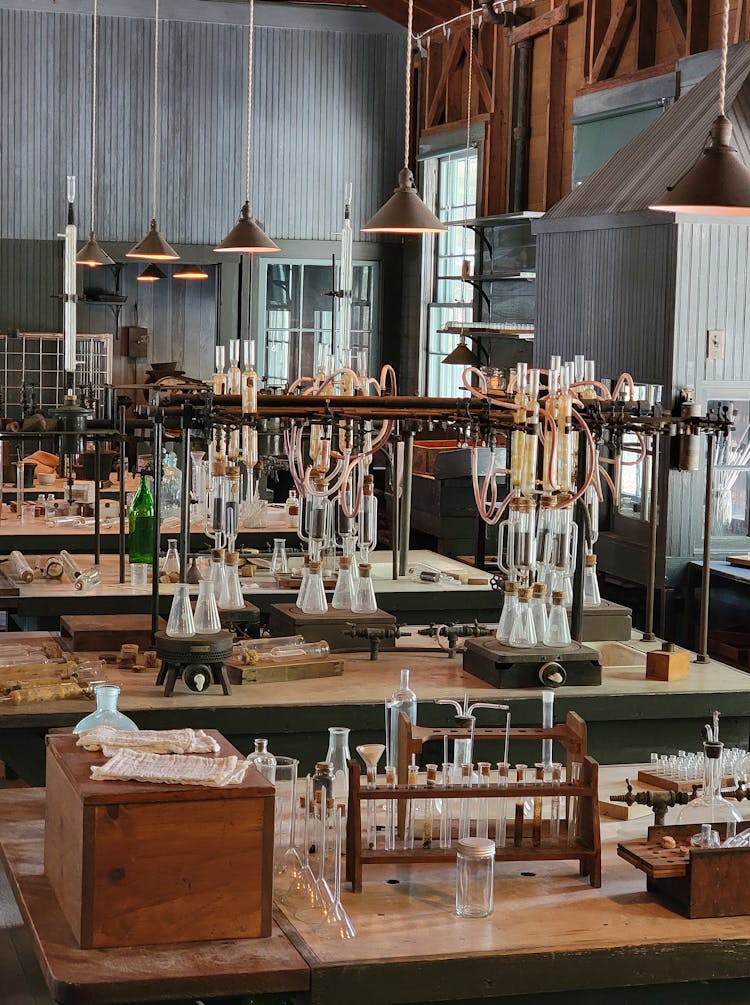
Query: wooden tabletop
{"points": [[550, 932]]}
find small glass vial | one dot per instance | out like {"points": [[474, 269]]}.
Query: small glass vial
{"points": [[171, 564], [364, 597], [262, 759], [314, 600], [249, 380], [71, 568], [343, 595], [206, 616], [107, 713], [475, 870], [507, 616], [279, 563], [591, 595], [219, 380], [523, 632], [539, 609], [231, 598], [89, 579], [292, 504], [181, 624], [234, 374], [323, 776], [558, 629]]}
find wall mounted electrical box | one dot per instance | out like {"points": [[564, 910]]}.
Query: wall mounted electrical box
{"points": [[135, 341]]}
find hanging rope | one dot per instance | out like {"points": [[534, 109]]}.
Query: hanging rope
{"points": [[724, 49], [94, 81], [156, 110], [471, 75], [250, 55], [407, 83]]}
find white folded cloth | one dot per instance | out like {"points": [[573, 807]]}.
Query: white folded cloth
{"points": [[153, 741], [171, 769]]}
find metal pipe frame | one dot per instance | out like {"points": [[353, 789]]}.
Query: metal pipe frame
{"points": [[156, 539], [703, 656], [648, 635]]}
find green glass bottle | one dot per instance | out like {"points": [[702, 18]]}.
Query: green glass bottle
{"points": [[141, 526]]}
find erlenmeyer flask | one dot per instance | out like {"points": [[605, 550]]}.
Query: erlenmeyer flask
{"points": [[523, 632], [206, 612], [539, 609], [171, 562], [591, 595], [106, 713], [507, 616], [181, 624], [314, 601], [364, 601], [303, 585], [231, 598], [279, 562], [558, 629], [217, 571], [343, 595]]}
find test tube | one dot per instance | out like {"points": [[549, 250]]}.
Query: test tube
{"points": [[19, 567], [555, 811], [412, 781], [500, 819], [429, 808], [536, 827], [575, 777], [483, 804], [518, 818], [548, 720], [464, 822], [446, 818], [372, 834], [390, 806]]}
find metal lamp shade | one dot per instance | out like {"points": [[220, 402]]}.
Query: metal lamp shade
{"points": [[190, 272], [151, 274], [247, 236], [404, 213], [153, 248], [718, 184], [92, 254], [462, 355]]}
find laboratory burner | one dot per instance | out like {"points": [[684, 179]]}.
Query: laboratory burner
{"points": [[534, 666], [198, 661]]}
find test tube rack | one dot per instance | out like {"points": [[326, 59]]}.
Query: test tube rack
{"points": [[584, 846]]}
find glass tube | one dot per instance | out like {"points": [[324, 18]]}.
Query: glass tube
{"points": [[446, 814], [429, 808], [503, 769], [20, 568], [219, 378], [555, 810], [218, 497], [368, 517], [548, 721], [70, 566], [390, 809], [234, 374], [536, 827], [519, 808], [91, 577], [483, 804], [464, 819], [249, 380], [411, 806], [575, 777]]}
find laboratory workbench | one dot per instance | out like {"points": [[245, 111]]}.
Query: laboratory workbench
{"points": [[627, 716], [41, 603], [551, 934]]}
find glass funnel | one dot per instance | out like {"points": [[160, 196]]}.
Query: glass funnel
{"points": [[371, 754], [107, 713], [181, 624]]}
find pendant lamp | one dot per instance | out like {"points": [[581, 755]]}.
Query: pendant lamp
{"points": [[92, 254], [405, 213], [718, 184], [247, 235], [151, 274], [153, 247], [189, 272], [462, 355]]}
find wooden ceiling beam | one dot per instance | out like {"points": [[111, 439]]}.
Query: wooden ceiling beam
{"points": [[648, 15], [540, 24], [698, 16], [676, 17], [614, 39]]}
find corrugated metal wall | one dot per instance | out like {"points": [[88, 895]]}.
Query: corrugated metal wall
{"points": [[586, 303], [327, 110]]}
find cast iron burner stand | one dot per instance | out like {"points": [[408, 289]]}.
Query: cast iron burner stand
{"points": [[198, 661]]}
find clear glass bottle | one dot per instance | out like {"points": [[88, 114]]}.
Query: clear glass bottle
{"points": [[141, 528], [91, 577], [181, 624], [206, 616], [71, 568], [234, 374], [219, 380], [710, 806], [558, 629], [249, 380], [262, 759], [279, 562], [523, 632], [508, 613], [591, 595], [107, 713], [475, 870], [343, 595], [539, 609], [314, 601], [292, 504], [403, 700], [19, 568], [338, 757], [171, 564], [231, 597], [364, 595]]}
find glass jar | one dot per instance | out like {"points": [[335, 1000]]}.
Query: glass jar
{"points": [[475, 869], [262, 759], [106, 713], [338, 757], [323, 776]]}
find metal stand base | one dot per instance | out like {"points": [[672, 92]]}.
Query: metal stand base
{"points": [[538, 666], [198, 661]]}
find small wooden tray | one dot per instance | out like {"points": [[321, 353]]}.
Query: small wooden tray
{"points": [[741, 561], [269, 673]]}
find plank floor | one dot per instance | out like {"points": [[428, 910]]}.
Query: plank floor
{"points": [[20, 976]]}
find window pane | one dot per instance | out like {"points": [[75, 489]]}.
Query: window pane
{"points": [[732, 470]]}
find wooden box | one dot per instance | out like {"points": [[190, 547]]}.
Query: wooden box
{"points": [[332, 627], [134, 863], [106, 632]]}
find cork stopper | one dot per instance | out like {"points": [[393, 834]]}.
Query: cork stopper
{"points": [[323, 765], [314, 568], [511, 586], [564, 499], [218, 468], [364, 569], [345, 562], [558, 597], [521, 504], [524, 593], [547, 502], [368, 483], [232, 558], [217, 554], [539, 590], [590, 560], [233, 473]]}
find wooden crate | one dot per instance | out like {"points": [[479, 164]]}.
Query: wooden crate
{"points": [[331, 627], [106, 632], [136, 864]]}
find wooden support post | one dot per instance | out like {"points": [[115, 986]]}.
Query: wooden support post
{"points": [[554, 183], [698, 17], [614, 39], [648, 14]]}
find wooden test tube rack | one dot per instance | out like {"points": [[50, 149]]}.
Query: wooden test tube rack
{"points": [[585, 848]]}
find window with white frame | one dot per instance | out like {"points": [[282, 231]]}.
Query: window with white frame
{"points": [[449, 299], [299, 318]]}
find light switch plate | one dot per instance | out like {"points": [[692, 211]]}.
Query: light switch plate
{"points": [[715, 343]]}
